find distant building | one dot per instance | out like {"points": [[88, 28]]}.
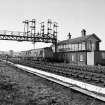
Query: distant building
{"points": [[3, 52], [11, 53]]}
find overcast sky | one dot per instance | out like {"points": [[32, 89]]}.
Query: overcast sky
{"points": [[71, 15]]}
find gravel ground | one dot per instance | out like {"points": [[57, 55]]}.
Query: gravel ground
{"points": [[20, 88]]}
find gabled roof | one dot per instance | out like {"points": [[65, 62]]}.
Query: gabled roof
{"points": [[80, 39]]}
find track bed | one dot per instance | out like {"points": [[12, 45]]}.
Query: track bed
{"points": [[90, 74]]}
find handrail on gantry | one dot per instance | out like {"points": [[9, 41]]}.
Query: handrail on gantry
{"points": [[6, 32]]}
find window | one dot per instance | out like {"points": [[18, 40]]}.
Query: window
{"points": [[72, 47], [66, 46], [103, 55], [89, 45], [76, 47], [80, 46], [93, 46], [72, 57], [83, 45], [58, 47], [81, 57], [41, 52], [61, 46]]}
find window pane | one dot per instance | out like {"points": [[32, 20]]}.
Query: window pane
{"points": [[93, 46], [76, 47], [103, 55], [83, 45], [66, 46], [72, 47], [80, 46], [72, 58], [81, 57], [89, 45]]}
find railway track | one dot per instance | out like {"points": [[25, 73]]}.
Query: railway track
{"points": [[92, 75], [29, 73]]}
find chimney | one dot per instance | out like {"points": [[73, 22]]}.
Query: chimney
{"points": [[83, 32], [69, 35]]}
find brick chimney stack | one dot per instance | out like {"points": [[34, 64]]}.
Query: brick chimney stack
{"points": [[83, 32], [69, 35]]}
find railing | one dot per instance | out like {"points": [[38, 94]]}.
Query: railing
{"points": [[16, 33]]}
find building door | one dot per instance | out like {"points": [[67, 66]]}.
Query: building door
{"points": [[90, 58]]}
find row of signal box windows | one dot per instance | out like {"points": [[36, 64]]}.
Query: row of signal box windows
{"points": [[73, 47]]}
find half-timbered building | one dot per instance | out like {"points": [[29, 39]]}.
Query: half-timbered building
{"points": [[81, 50]]}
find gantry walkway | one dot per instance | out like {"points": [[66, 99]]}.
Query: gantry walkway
{"points": [[22, 36]]}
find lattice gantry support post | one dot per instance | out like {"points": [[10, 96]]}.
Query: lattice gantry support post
{"points": [[55, 29], [26, 27], [42, 30], [33, 27], [49, 28]]}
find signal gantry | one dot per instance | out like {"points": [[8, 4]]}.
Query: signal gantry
{"points": [[47, 33]]}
